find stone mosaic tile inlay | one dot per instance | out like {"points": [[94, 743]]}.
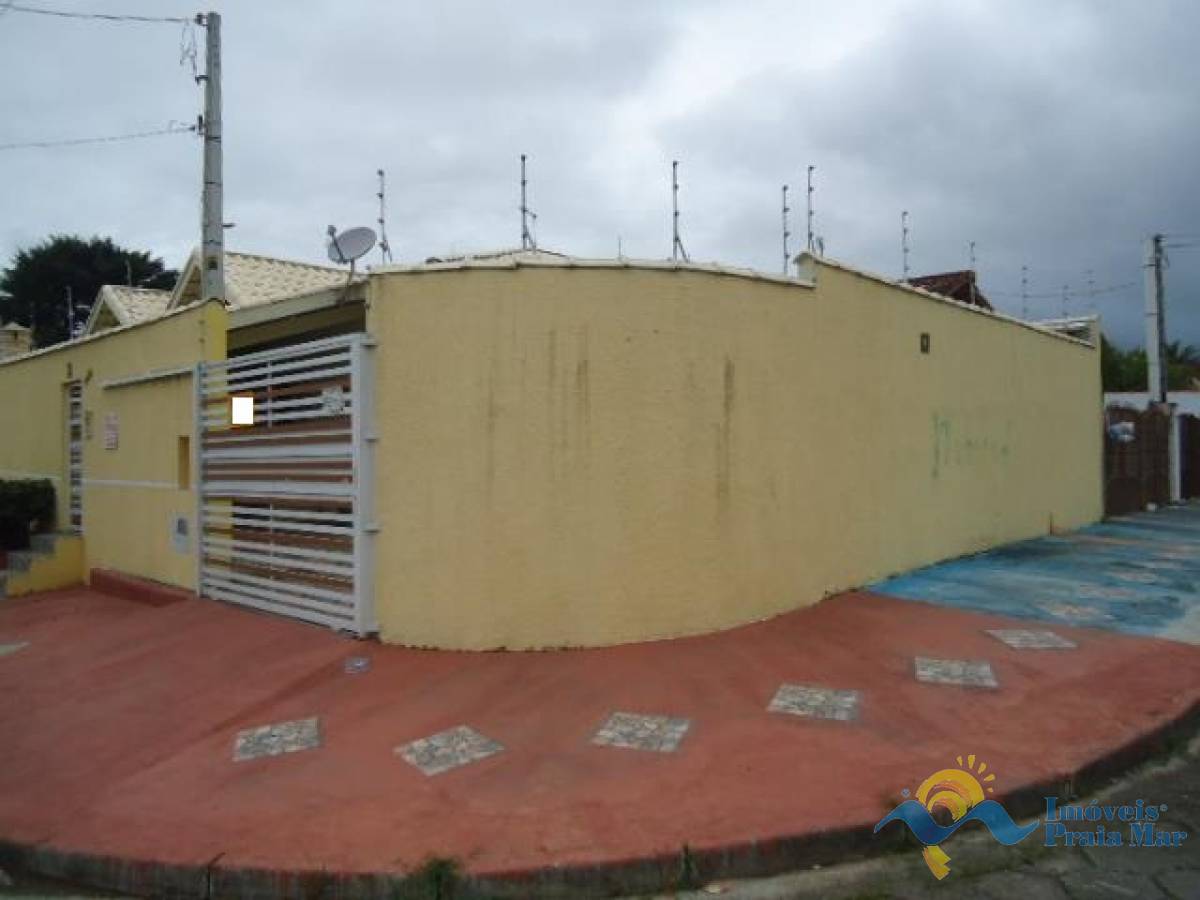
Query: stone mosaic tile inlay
{"points": [[1136, 577], [1073, 612], [966, 672], [273, 740], [815, 702], [1025, 639], [448, 750], [661, 734], [6, 649]]}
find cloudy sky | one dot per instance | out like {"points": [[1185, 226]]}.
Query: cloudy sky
{"points": [[1054, 135]]}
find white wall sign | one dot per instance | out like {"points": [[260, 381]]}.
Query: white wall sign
{"points": [[112, 430]]}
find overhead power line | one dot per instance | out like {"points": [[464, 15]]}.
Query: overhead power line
{"points": [[104, 17], [107, 139], [1093, 292]]}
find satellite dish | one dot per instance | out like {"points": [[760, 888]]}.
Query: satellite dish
{"points": [[349, 245]]}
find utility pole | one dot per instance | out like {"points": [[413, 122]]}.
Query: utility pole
{"points": [[786, 233], [1156, 357], [212, 214], [677, 250], [904, 242], [810, 210], [527, 242], [1024, 292], [1156, 330], [1065, 299], [70, 314]]}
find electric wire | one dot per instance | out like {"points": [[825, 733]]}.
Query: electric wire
{"points": [[104, 17], [105, 139]]}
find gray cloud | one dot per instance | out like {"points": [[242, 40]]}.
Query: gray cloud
{"points": [[1055, 136]]}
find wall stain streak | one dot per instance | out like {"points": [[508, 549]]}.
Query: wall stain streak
{"points": [[725, 441]]}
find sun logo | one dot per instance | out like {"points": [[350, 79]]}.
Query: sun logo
{"points": [[961, 795], [955, 791]]}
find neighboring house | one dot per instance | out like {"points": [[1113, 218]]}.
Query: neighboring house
{"points": [[1186, 402], [960, 286], [118, 305], [251, 280], [14, 340]]}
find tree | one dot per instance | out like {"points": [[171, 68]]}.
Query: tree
{"points": [[1126, 370], [34, 288]]}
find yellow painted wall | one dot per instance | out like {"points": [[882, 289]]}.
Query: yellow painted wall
{"points": [[62, 568], [131, 493], [586, 456]]}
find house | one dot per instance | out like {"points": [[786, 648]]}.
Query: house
{"points": [[1186, 402], [14, 340], [960, 286], [251, 280], [119, 305], [531, 450]]}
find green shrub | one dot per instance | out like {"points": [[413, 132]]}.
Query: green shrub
{"points": [[26, 507]]}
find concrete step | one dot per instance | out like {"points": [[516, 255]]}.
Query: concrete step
{"points": [[21, 560], [43, 543], [52, 560]]}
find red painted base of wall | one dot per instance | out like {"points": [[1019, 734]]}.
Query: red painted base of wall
{"points": [[140, 590]]}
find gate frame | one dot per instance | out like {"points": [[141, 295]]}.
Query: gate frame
{"points": [[363, 440]]}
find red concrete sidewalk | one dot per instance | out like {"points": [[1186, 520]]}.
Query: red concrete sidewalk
{"points": [[117, 726]]}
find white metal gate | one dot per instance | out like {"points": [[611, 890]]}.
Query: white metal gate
{"points": [[285, 511], [75, 456]]}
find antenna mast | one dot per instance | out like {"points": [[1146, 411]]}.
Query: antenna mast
{"points": [[527, 241], [385, 249], [904, 241], [676, 243], [786, 233], [1024, 292], [810, 211], [971, 255]]}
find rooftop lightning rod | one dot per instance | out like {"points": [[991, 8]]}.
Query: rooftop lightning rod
{"points": [[904, 241], [971, 254], [811, 246], [786, 233], [527, 240], [676, 243], [1024, 292], [385, 249]]}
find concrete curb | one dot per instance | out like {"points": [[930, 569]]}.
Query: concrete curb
{"points": [[688, 867], [139, 590]]}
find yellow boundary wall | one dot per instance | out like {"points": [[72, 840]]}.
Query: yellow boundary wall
{"points": [[574, 455], [137, 386]]}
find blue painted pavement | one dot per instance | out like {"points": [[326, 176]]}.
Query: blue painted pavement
{"points": [[1138, 574]]}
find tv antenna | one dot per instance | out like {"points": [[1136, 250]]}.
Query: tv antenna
{"points": [[347, 247], [904, 242], [385, 249], [677, 250], [528, 241], [786, 233], [811, 246]]}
